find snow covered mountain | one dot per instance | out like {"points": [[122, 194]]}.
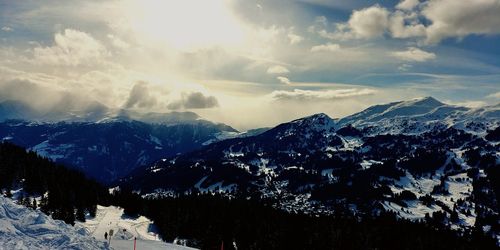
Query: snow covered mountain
{"points": [[23, 228], [419, 159], [423, 114], [110, 149]]}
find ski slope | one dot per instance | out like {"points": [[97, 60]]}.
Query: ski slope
{"points": [[125, 229], [22, 228]]}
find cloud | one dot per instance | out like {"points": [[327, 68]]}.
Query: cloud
{"points": [[194, 100], [321, 20], [117, 42], [451, 18], [405, 67], [283, 80], [7, 29], [25, 91], [325, 47], [277, 69], [325, 95], [369, 22], [470, 104], [405, 25], [43, 97], [495, 95], [140, 97], [414, 54], [407, 4], [431, 21], [71, 48], [294, 39]]}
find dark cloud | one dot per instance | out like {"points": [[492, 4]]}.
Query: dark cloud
{"points": [[194, 100], [140, 97], [27, 92], [48, 103]]}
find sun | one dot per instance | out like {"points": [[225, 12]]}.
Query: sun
{"points": [[186, 24]]}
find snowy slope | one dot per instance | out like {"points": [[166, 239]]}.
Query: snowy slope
{"points": [[125, 230], [23, 228], [421, 115]]}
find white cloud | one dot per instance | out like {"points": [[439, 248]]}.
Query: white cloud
{"points": [[283, 80], [71, 48], [494, 95], [369, 22], [451, 18], [277, 69], [325, 47], [407, 4], [7, 29], [470, 104], [403, 25], [294, 38], [443, 19], [118, 43], [365, 23], [414, 54], [324, 95]]}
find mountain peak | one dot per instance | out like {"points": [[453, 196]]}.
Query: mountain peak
{"points": [[316, 118], [320, 121], [428, 101], [410, 108]]}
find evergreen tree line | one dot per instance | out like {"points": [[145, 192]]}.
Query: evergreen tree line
{"points": [[65, 193], [207, 221]]}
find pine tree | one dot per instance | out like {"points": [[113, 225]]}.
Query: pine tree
{"points": [[92, 210], [34, 205], [20, 199], [27, 202], [80, 214], [44, 205], [454, 216]]}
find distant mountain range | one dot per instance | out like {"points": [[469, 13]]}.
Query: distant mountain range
{"points": [[418, 158], [107, 145]]}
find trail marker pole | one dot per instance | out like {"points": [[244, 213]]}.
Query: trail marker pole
{"points": [[110, 234]]}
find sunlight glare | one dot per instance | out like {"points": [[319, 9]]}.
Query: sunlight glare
{"points": [[187, 24]]}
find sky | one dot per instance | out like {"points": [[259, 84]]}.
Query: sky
{"points": [[247, 63]]}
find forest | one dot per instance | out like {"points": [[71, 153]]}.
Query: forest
{"points": [[208, 221]]}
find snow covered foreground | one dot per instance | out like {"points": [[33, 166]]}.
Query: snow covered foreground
{"points": [[125, 229], [22, 228]]}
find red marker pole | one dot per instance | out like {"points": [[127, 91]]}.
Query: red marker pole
{"points": [[222, 246], [135, 239]]}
